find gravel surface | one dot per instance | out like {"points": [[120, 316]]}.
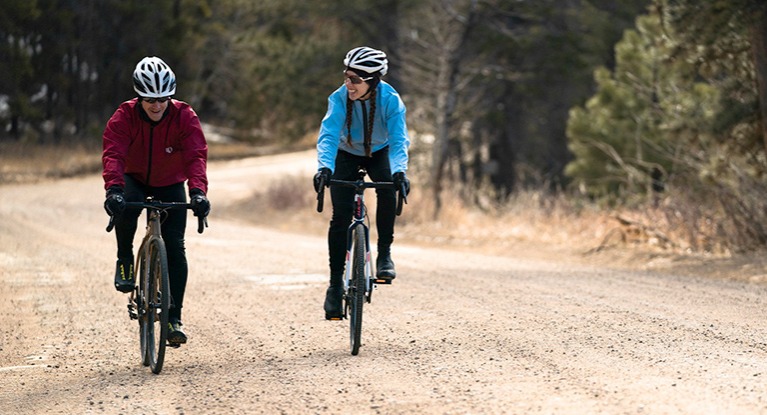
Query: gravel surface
{"points": [[458, 332]]}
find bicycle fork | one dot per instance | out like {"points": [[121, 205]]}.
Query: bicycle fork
{"points": [[358, 221]]}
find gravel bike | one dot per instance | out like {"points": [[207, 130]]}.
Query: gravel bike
{"points": [[150, 300], [358, 273]]}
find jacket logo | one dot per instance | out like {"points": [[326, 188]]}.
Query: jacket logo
{"points": [[168, 150]]}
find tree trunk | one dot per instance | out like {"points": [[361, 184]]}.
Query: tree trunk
{"points": [[758, 45], [447, 83], [440, 150]]}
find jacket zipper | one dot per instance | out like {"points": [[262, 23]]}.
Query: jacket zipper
{"points": [[149, 164]]}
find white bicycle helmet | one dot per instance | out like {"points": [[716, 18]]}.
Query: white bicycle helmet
{"points": [[153, 78], [368, 60]]}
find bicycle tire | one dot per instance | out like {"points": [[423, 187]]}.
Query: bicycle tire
{"points": [[357, 290], [158, 290], [141, 311]]}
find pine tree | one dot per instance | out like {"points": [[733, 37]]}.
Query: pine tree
{"points": [[634, 125]]}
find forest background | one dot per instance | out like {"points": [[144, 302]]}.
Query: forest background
{"points": [[651, 111]]}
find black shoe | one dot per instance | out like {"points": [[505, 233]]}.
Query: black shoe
{"points": [[176, 333], [124, 280], [385, 266], [333, 299]]}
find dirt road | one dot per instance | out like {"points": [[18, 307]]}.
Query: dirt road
{"points": [[458, 332]]}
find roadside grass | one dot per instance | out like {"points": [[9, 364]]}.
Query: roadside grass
{"points": [[29, 162], [531, 223], [520, 225], [530, 220], [24, 163]]}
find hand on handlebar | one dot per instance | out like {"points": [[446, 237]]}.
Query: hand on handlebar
{"points": [[321, 179], [401, 182], [199, 203], [115, 201]]}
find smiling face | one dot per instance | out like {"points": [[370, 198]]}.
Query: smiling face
{"points": [[356, 91], [155, 109]]}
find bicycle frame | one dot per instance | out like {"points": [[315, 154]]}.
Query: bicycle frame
{"points": [[358, 220], [154, 210], [150, 300], [153, 232]]}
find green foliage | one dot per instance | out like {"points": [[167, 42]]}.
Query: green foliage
{"points": [[684, 98], [716, 37], [643, 115], [523, 66]]}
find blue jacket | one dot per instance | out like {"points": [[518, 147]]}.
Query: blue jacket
{"points": [[389, 128]]}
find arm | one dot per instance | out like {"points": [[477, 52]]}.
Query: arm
{"points": [[116, 140], [195, 152], [330, 130], [399, 140]]}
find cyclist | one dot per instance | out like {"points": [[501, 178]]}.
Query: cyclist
{"points": [[364, 127], [152, 144]]}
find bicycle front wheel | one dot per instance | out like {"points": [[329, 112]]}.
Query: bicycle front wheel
{"points": [[158, 303], [141, 301], [357, 290]]}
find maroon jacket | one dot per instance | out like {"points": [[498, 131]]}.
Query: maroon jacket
{"points": [[156, 154]]}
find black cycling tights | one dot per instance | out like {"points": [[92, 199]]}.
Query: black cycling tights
{"points": [[347, 166], [173, 228]]}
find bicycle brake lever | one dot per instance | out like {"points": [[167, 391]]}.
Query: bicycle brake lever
{"points": [[202, 223], [111, 224], [321, 196]]}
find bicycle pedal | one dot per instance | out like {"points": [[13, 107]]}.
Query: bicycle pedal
{"points": [[385, 281], [132, 312], [174, 345]]}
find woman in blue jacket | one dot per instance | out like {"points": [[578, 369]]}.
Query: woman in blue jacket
{"points": [[364, 127]]}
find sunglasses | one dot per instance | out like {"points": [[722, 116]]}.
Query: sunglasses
{"points": [[153, 100], [356, 80]]}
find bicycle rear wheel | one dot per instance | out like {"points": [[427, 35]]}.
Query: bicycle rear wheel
{"points": [[357, 290], [157, 291]]}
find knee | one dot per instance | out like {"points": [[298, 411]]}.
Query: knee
{"points": [[341, 217]]}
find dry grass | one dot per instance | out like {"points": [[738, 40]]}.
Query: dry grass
{"points": [[522, 224], [531, 223], [28, 163], [22, 163], [530, 219]]}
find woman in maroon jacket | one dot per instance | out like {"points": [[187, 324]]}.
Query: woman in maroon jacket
{"points": [[152, 145]]}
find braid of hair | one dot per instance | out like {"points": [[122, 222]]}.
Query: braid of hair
{"points": [[349, 109], [369, 132]]}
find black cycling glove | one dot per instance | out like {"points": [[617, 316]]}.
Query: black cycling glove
{"points": [[399, 180], [115, 201], [321, 178], [200, 203]]}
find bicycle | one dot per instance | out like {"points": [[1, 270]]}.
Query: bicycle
{"points": [[150, 300], [358, 272]]}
